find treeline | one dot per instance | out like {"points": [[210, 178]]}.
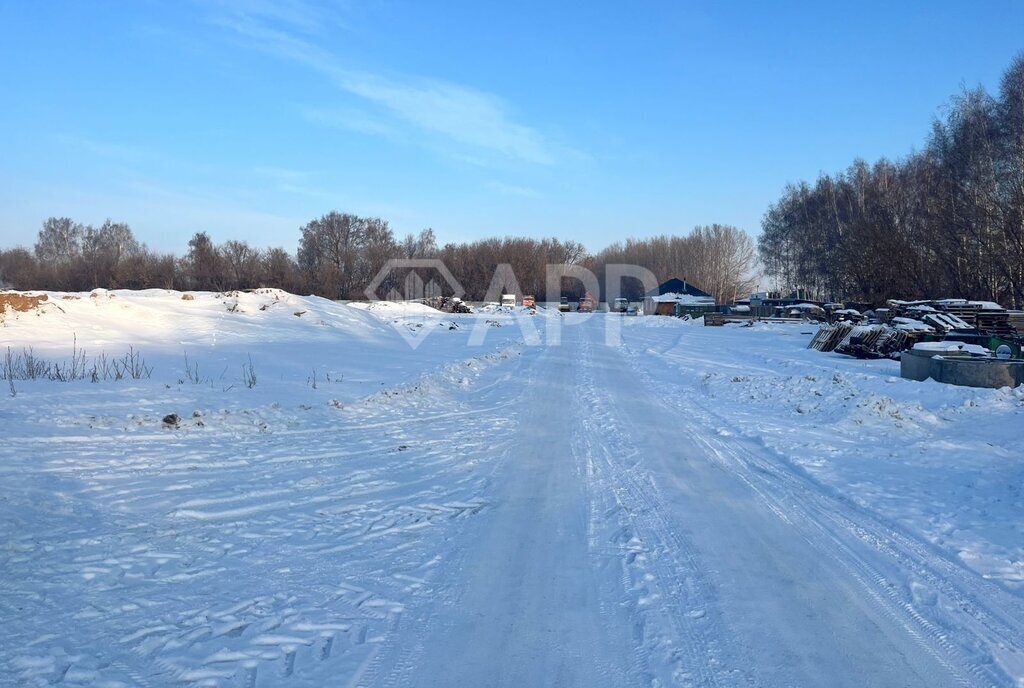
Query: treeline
{"points": [[474, 264], [70, 256], [339, 254], [718, 259], [946, 221]]}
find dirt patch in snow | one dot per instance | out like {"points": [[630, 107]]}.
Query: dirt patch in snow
{"points": [[16, 301]]}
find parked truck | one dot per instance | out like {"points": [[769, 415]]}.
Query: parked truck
{"points": [[563, 305], [587, 304], [508, 300], [620, 305], [529, 301]]}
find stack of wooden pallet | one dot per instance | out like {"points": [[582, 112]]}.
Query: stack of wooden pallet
{"points": [[862, 341], [872, 341], [959, 314], [965, 310], [828, 337], [944, 322], [1016, 320], [905, 323], [995, 322]]}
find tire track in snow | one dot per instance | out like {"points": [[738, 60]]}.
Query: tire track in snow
{"points": [[522, 603], [331, 530], [675, 625], [839, 529]]}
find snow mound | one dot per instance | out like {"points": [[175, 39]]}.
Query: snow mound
{"points": [[160, 318], [685, 299], [952, 347], [495, 308], [395, 308]]}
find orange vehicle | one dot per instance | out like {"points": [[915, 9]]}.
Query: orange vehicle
{"points": [[529, 302], [587, 304]]}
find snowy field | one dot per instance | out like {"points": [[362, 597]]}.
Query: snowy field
{"points": [[385, 496]]}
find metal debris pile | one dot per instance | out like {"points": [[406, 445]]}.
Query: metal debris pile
{"points": [[448, 304]]}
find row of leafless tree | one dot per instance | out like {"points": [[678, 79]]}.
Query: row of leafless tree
{"points": [[340, 254], [72, 256], [945, 221], [719, 259]]}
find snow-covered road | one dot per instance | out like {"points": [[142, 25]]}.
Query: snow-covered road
{"points": [[575, 515], [526, 601], [633, 540]]}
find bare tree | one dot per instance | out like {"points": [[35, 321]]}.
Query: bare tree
{"points": [[18, 269], [720, 259], [422, 246], [279, 270], [58, 247], [203, 264], [947, 221], [104, 250], [339, 253], [242, 263]]}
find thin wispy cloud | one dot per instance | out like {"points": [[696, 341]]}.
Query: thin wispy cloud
{"points": [[297, 15], [105, 149], [283, 175], [513, 190], [350, 119], [464, 115], [459, 115]]}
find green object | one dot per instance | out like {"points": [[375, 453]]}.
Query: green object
{"points": [[990, 342]]}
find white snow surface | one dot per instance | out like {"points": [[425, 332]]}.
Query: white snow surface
{"points": [[690, 299], [686, 506], [911, 325], [395, 307], [953, 347]]}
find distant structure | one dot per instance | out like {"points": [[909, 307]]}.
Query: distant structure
{"points": [[774, 303], [678, 297]]}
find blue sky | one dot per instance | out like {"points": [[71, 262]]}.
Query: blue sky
{"points": [[591, 121]]}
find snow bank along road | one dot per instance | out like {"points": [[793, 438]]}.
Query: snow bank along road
{"points": [[573, 515]]}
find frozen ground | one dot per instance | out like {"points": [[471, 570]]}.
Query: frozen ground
{"points": [[688, 506]]}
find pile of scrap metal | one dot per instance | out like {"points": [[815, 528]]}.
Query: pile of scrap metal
{"points": [[886, 332], [448, 304]]}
